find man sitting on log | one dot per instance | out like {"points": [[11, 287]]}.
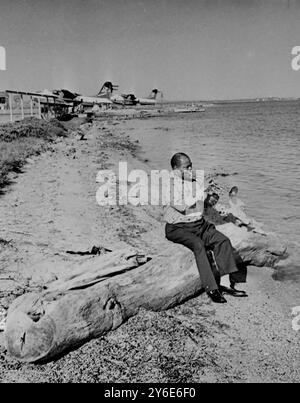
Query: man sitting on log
{"points": [[186, 225]]}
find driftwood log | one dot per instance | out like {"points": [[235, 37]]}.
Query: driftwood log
{"points": [[104, 292]]}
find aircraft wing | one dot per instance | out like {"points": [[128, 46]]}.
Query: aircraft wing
{"points": [[93, 100]]}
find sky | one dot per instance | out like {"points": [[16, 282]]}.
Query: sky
{"points": [[189, 49]]}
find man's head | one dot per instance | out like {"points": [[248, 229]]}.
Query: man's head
{"points": [[181, 162]]}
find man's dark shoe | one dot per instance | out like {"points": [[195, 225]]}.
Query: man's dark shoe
{"points": [[216, 296], [232, 286], [232, 291]]}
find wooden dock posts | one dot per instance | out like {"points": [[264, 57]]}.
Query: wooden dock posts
{"points": [[22, 106], [31, 106], [40, 97], [22, 94], [10, 106]]}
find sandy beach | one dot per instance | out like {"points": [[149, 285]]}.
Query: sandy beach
{"points": [[50, 208]]}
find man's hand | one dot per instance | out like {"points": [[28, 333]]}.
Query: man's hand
{"points": [[189, 175]]}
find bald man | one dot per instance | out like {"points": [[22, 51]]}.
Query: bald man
{"points": [[185, 225]]}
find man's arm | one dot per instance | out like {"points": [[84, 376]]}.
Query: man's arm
{"points": [[172, 215], [181, 208]]}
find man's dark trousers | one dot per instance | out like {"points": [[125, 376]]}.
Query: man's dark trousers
{"points": [[199, 236]]}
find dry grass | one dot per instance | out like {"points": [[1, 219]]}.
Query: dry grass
{"points": [[21, 140]]}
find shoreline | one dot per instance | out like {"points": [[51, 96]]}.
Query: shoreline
{"points": [[246, 340]]}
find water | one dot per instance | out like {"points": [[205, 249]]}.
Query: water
{"points": [[259, 141]]}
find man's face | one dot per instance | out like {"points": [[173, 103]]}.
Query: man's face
{"points": [[185, 167]]}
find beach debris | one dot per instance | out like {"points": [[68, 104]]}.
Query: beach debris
{"points": [[78, 134], [224, 174], [81, 136], [102, 293], [85, 127], [4, 242], [162, 128], [19, 232], [70, 151], [96, 250]]}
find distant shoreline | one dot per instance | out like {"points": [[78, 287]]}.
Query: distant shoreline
{"points": [[230, 101]]}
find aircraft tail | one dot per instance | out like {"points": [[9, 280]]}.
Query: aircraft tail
{"points": [[107, 90], [154, 92]]}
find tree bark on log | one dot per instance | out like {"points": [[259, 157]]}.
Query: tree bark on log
{"points": [[106, 291]]}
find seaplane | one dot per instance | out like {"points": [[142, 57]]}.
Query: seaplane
{"points": [[151, 100], [130, 99], [92, 100], [107, 92], [66, 95], [78, 99]]}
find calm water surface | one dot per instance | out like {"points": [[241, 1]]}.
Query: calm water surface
{"points": [[258, 141]]}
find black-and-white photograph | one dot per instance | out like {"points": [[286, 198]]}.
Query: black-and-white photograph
{"points": [[150, 194]]}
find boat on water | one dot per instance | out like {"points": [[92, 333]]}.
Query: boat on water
{"points": [[189, 109]]}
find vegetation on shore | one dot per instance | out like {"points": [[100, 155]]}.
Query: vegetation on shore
{"points": [[20, 140]]}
